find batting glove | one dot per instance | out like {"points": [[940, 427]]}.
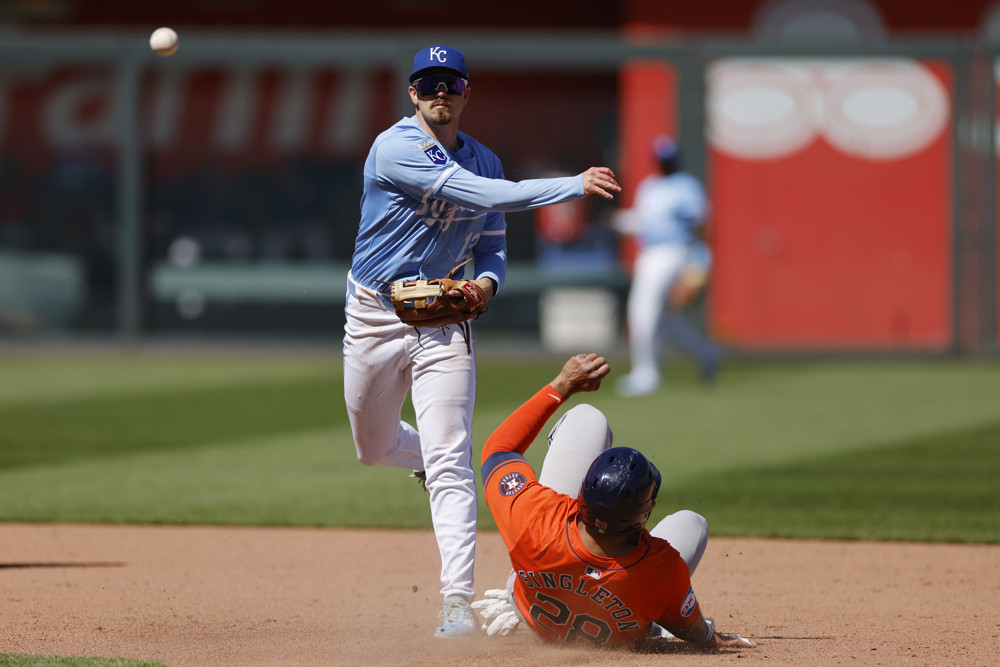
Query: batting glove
{"points": [[498, 613]]}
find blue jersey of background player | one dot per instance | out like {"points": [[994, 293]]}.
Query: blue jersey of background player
{"points": [[670, 208], [432, 197]]}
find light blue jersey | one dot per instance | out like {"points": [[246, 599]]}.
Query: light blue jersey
{"points": [[425, 209], [669, 208]]}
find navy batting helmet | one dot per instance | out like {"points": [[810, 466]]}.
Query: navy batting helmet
{"points": [[619, 492], [665, 148], [667, 153]]}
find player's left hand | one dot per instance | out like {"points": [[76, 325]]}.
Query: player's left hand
{"points": [[437, 302], [583, 372], [497, 612]]}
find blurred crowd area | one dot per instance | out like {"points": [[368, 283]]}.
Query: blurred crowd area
{"points": [[303, 209], [299, 210], [67, 206]]}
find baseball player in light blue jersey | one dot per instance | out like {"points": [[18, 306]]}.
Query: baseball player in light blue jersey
{"points": [[669, 219], [433, 197]]}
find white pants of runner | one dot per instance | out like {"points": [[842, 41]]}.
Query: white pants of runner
{"points": [[656, 268], [384, 360]]}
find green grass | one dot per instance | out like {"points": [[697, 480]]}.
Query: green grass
{"points": [[19, 660], [931, 488], [901, 450], [107, 427]]}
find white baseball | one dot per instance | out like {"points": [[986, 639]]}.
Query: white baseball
{"points": [[163, 41]]}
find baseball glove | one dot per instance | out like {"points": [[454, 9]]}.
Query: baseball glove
{"points": [[430, 304]]}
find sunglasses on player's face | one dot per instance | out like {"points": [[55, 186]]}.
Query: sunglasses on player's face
{"points": [[430, 85]]}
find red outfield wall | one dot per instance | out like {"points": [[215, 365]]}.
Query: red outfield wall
{"points": [[831, 195], [842, 236]]}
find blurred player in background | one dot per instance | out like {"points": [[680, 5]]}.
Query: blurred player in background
{"points": [[433, 196], [586, 570], [669, 219]]}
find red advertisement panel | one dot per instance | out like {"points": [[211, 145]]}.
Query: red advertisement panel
{"points": [[647, 109], [190, 114], [243, 116], [830, 182]]}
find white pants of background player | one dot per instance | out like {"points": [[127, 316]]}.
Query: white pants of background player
{"points": [[656, 268], [575, 441], [384, 360]]}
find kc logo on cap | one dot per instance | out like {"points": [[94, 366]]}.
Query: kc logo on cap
{"points": [[441, 58], [438, 53]]}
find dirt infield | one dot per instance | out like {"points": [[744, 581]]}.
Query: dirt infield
{"points": [[261, 596]]}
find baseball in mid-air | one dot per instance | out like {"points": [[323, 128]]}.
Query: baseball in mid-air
{"points": [[163, 41]]}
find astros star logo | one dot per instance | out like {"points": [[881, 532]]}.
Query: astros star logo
{"points": [[511, 483]]}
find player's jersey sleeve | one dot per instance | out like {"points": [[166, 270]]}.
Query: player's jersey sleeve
{"points": [[676, 605], [512, 494], [520, 429], [416, 166], [421, 168], [510, 485], [466, 189], [490, 253], [681, 610], [490, 250]]}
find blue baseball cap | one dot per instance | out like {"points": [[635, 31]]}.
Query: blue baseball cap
{"points": [[443, 58], [665, 148]]}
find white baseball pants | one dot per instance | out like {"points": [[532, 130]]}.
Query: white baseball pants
{"points": [[384, 360], [656, 268]]}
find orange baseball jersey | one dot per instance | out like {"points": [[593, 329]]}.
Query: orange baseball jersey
{"points": [[564, 592]]}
